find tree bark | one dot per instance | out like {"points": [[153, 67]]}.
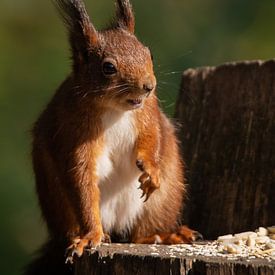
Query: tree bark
{"points": [[124, 259], [227, 117]]}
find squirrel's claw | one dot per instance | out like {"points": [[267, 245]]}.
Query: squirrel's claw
{"points": [[106, 238], [148, 180], [146, 185], [71, 252], [188, 235], [145, 194], [147, 197]]}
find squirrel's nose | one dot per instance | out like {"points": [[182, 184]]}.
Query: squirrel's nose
{"points": [[148, 87]]}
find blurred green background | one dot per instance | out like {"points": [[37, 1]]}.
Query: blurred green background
{"points": [[34, 60]]}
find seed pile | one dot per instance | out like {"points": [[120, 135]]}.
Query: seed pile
{"points": [[251, 245], [260, 244]]}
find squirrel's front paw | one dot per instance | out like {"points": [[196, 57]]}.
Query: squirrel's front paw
{"points": [[149, 180], [79, 244]]}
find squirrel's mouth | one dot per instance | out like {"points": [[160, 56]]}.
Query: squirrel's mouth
{"points": [[135, 103]]}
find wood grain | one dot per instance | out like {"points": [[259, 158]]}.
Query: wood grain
{"points": [[125, 259], [227, 115]]}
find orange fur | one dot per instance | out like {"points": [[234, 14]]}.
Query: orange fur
{"points": [[112, 70]]}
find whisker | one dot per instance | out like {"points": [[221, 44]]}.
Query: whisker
{"points": [[100, 89], [170, 105], [169, 84], [120, 91], [174, 59], [170, 73]]}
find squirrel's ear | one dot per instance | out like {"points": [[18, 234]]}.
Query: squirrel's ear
{"points": [[125, 15], [83, 36]]}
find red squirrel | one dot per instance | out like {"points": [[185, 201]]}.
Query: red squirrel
{"points": [[105, 157]]}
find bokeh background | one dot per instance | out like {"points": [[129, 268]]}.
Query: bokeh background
{"points": [[34, 60]]}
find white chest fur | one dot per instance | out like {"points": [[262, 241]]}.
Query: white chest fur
{"points": [[120, 202]]}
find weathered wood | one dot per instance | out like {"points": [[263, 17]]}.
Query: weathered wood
{"points": [[228, 137], [117, 259]]}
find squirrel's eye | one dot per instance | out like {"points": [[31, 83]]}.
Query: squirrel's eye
{"points": [[109, 68]]}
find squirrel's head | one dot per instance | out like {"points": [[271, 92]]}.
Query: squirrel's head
{"points": [[110, 66]]}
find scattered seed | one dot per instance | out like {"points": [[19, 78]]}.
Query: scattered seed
{"points": [[262, 231], [251, 242], [271, 229], [262, 239], [234, 249], [245, 235], [270, 246], [225, 237]]}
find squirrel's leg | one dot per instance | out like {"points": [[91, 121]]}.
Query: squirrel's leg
{"points": [[147, 161], [147, 157], [53, 199], [84, 194], [182, 235]]}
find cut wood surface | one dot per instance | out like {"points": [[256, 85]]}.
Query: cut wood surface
{"points": [[125, 259], [227, 114]]}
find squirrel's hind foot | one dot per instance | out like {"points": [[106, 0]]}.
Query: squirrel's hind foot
{"points": [[182, 235]]}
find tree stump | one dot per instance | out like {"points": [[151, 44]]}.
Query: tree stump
{"points": [[227, 114], [125, 259]]}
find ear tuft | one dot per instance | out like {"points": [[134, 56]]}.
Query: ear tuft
{"points": [[125, 15], [82, 33]]}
